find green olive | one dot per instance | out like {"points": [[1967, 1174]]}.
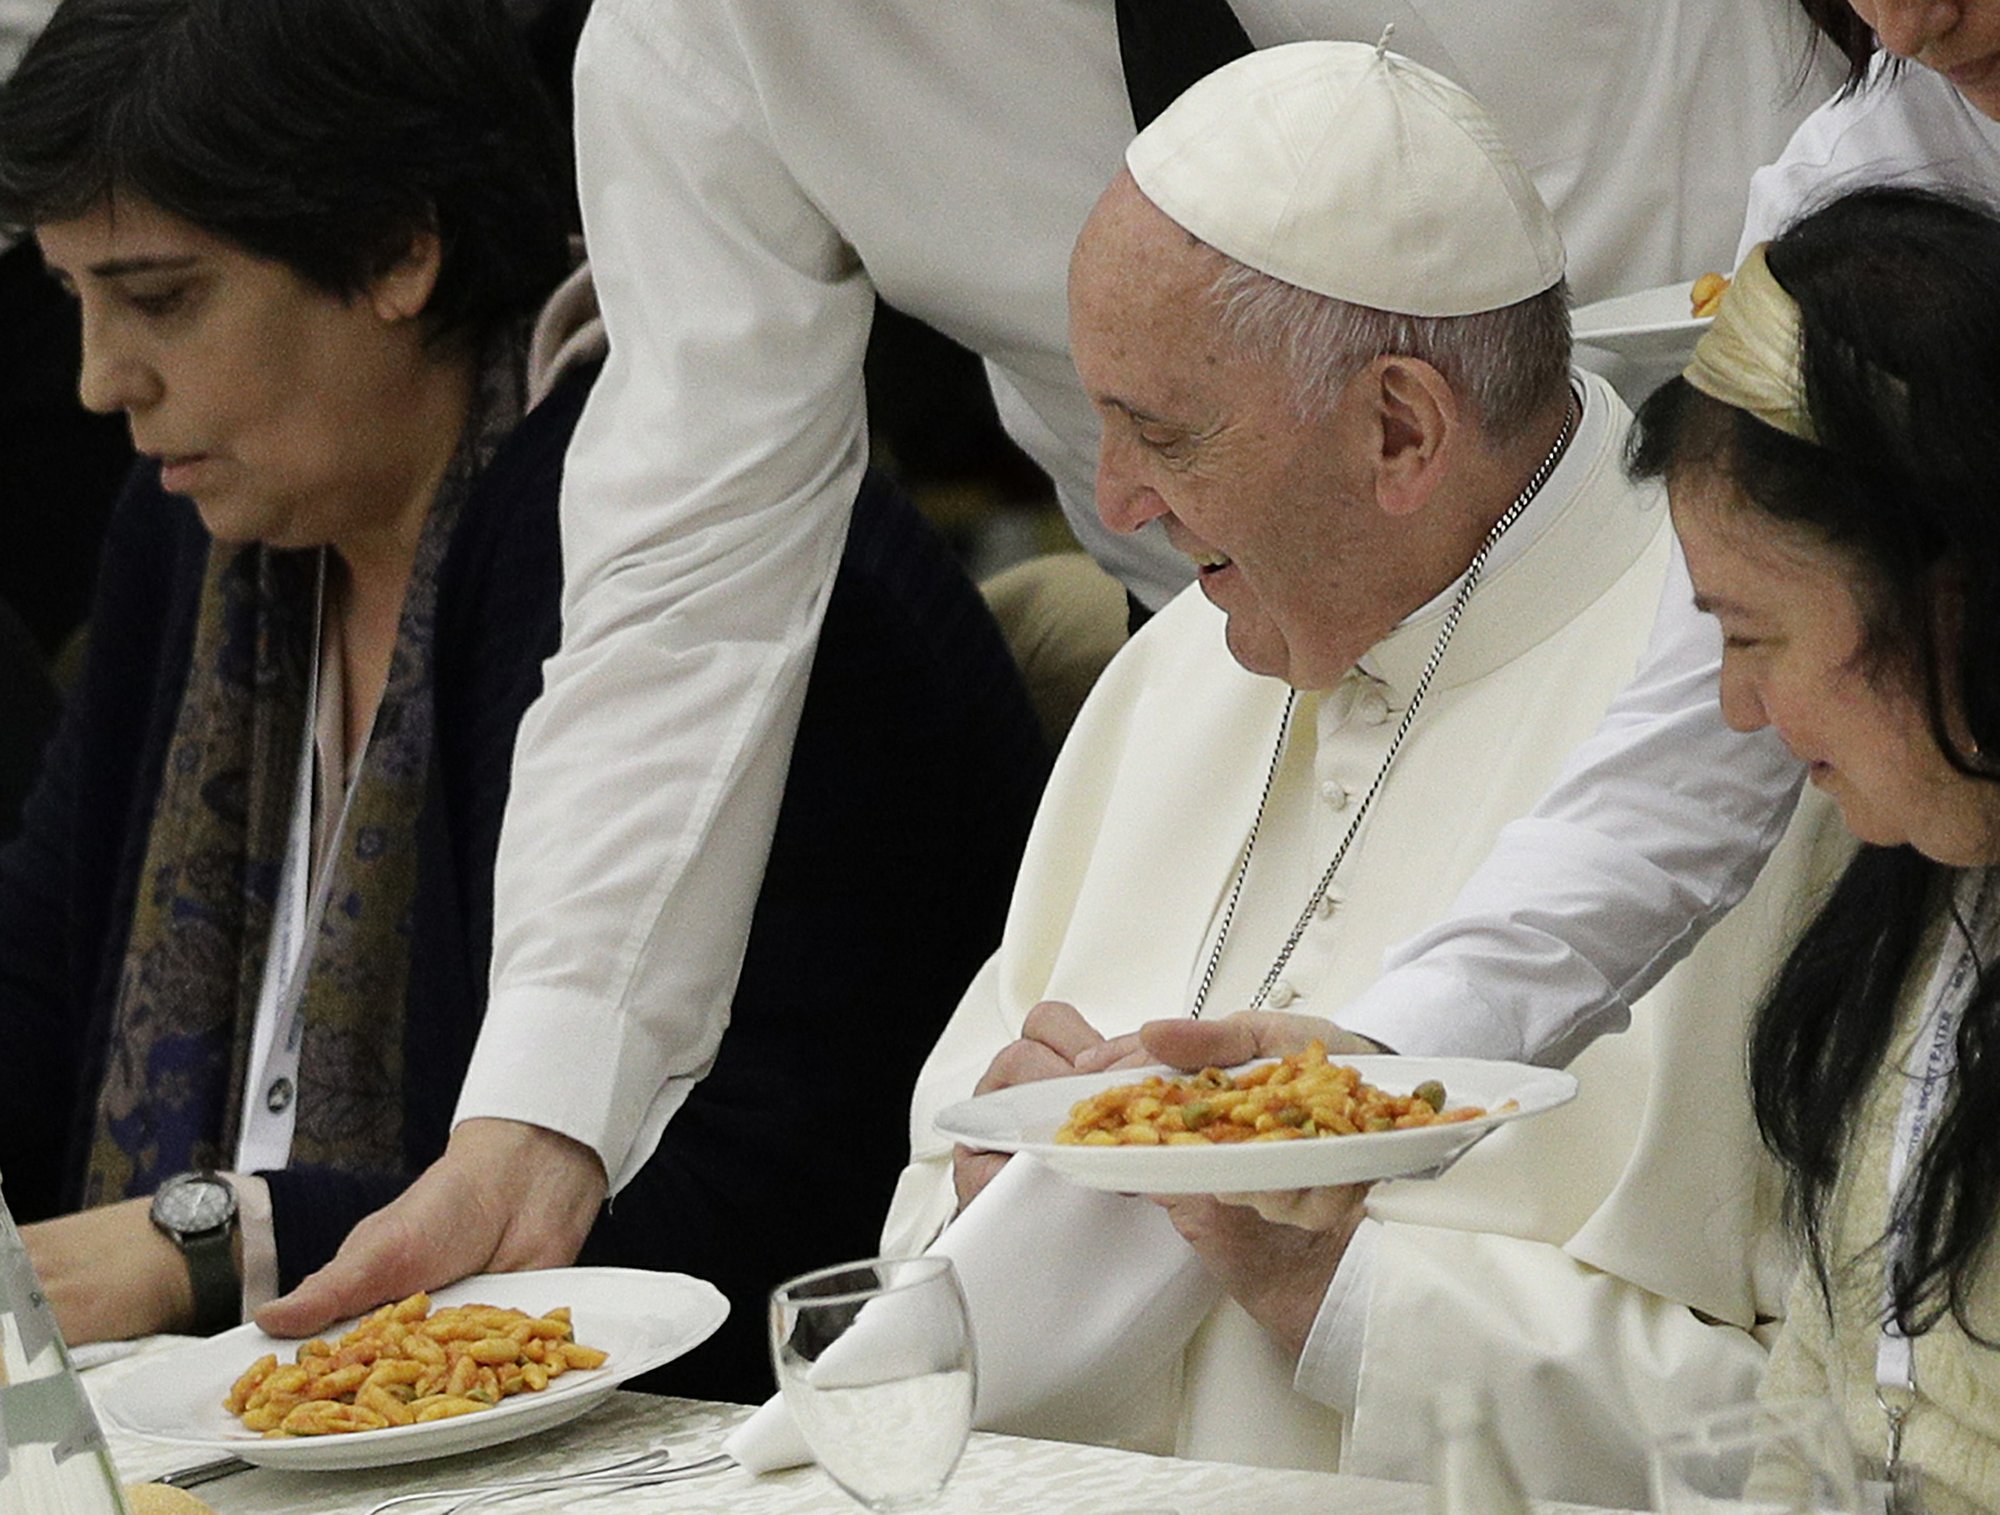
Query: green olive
{"points": [[1431, 1092]]}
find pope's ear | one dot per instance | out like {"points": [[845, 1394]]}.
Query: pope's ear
{"points": [[1417, 415], [402, 289]]}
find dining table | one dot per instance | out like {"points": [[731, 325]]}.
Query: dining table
{"points": [[999, 1475]]}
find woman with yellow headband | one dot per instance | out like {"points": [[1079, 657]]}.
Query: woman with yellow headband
{"points": [[1833, 460]]}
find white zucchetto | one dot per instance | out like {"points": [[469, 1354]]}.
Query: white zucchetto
{"points": [[1349, 170]]}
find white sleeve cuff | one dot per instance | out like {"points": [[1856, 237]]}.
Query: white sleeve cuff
{"points": [[1329, 1368], [520, 1072], [1426, 1009], [258, 1263]]}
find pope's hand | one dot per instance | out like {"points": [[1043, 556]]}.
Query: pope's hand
{"points": [[109, 1274], [1279, 1273], [1055, 1042], [504, 1196], [1275, 1253], [1240, 1038]]}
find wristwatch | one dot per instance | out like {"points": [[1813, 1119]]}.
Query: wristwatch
{"points": [[197, 1213]]}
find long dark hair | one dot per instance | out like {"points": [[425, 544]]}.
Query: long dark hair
{"points": [[1901, 362], [1834, 21], [322, 134]]}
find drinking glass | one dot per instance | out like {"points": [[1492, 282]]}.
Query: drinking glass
{"points": [[52, 1455], [876, 1364], [1788, 1457]]}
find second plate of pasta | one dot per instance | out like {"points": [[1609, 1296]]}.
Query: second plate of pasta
{"points": [[640, 1320], [1027, 1117]]}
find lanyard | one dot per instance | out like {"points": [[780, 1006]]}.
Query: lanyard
{"points": [[1927, 1070], [266, 1131]]}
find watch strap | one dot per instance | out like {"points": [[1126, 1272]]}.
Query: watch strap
{"points": [[218, 1292]]}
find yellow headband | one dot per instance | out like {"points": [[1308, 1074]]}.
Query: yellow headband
{"points": [[1750, 357]]}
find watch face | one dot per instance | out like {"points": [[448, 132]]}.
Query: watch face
{"points": [[195, 1205]]}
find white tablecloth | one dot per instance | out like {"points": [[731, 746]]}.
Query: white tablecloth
{"points": [[999, 1475]]}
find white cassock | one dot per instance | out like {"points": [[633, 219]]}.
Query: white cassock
{"points": [[1564, 1259]]}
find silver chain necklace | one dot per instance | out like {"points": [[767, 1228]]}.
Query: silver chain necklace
{"points": [[1466, 584]]}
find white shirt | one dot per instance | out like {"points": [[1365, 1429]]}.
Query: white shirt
{"points": [[1905, 125], [752, 175], [21, 21]]}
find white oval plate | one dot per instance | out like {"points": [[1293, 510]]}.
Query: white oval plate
{"points": [[1648, 323], [1025, 1117], [641, 1319]]}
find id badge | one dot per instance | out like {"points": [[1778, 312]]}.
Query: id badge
{"points": [[1901, 1492]]}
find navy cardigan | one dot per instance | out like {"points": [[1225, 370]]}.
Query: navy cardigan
{"points": [[915, 776]]}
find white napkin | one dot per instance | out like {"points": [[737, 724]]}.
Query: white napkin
{"points": [[1081, 1305]]}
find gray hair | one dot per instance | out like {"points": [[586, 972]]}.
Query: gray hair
{"points": [[1506, 364]]}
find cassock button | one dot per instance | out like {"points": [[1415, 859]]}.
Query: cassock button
{"points": [[278, 1099], [1374, 707], [1334, 793], [1282, 993]]}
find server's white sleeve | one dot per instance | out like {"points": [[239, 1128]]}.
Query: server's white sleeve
{"points": [[704, 511], [1657, 826]]}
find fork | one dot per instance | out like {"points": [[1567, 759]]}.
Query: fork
{"points": [[641, 1471], [203, 1472]]}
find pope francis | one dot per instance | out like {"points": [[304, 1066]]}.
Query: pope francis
{"points": [[1323, 319]]}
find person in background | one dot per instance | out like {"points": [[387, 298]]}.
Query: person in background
{"points": [[245, 933], [60, 468], [1921, 105], [800, 161], [1830, 456], [28, 694]]}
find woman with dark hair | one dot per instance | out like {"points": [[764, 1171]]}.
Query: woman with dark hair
{"points": [[306, 241], [1830, 457], [247, 924], [1937, 123]]}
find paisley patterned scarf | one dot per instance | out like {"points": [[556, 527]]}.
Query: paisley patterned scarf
{"points": [[186, 1008]]}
